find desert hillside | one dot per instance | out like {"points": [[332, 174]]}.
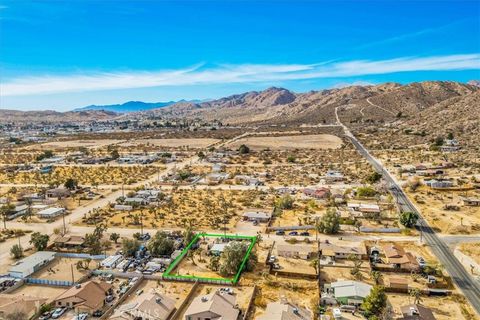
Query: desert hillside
{"points": [[357, 104]]}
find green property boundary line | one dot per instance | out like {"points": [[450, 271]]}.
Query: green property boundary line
{"points": [[234, 280]]}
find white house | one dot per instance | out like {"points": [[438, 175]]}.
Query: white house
{"points": [[31, 264], [256, 215], [111, 262], [50, 213]]}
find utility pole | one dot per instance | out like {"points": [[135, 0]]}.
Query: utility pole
{"points": [[319, 268], [141, 222], [64, 225], [73, 277]]}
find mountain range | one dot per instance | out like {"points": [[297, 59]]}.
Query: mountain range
{"points": [[130, 106], [442, 105]]}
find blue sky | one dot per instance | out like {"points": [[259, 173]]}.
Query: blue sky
{"points": [[65, 54]]}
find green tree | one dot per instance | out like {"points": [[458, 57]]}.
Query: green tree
{"points": [[161, 245], [71, 184], [291, 158], [374, 177], [408, 219], [285, 202], [114, 154], [416, 294], [93, 241], [130, 246], [450, 136], [16, 251], [45, 155], [5, 211], [329, 223], [376, 276], [28, 202], [357, 263], [366, 192], [39, 241], [114, 237], [439, 141], [188, 235], [243, 149], [232, 258], [214, 263], [375, 303]]}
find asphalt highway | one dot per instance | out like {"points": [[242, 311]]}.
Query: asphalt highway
{"points": [[469, 286]]}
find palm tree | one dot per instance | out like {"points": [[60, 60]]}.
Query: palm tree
{"points": [[5, 210], [28, 202]]}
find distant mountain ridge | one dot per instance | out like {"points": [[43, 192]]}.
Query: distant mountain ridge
{"points": [[130, 106], [383, 102], [357, 105]]}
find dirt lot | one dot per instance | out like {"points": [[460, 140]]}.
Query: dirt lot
{"points": [[40, 291], [431, 203], [91, 144], [301, 292], [471, 249], [85, 175], [200, 208], [61, 269], [320, 141], [173, 143], [444, 308]]}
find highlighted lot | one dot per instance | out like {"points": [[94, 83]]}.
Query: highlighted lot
{"points": [[168, 274]]}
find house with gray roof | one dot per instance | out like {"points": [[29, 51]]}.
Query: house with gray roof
{"points": [[346, 292], [284, 310], [215, 306]]}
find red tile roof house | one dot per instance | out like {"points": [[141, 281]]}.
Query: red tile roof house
{"points": [[317, 193], [398, 258]]}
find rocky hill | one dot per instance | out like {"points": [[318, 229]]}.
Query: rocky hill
{"points": [[357, 104]]}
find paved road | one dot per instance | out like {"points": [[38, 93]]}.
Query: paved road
{"points": [[78, 213], [464, 281]]}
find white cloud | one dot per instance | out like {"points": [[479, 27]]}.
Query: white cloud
{"points": [[222, 74]]}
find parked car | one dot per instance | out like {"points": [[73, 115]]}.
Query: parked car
{"points": [[421, 262], [81, 316], [45, 315], [227, 290], [305, 233], [272, 259], [293, 233], [109, 298], [97, 314], [280, 233], [276, 266], [57, 313]]}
